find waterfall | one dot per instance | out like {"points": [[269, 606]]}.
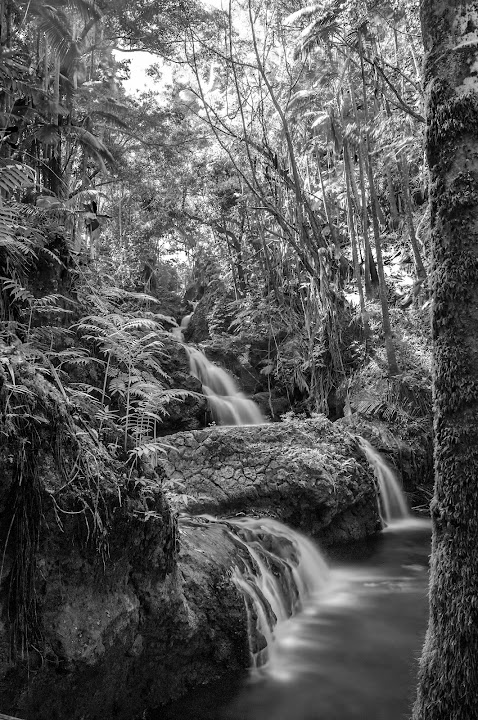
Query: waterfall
{"points": [[278, 571], [229, 406], [391, 499], [178, 332]]}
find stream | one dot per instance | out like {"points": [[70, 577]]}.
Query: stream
{"points": [[348, 623], [350, 653]]}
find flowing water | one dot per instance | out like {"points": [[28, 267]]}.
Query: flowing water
{"points": [[391, 500], [279, 572], [229, 406], [329, 640], [350, 653], [178, 332], [335, 642]]}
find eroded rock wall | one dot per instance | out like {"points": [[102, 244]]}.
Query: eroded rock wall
{"points": [[123, 634]]}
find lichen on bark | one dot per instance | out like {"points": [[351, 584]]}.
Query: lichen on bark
{"points": [[448, 675]]}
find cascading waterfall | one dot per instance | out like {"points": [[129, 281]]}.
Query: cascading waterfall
{"points": [[178, 332], [278, 571], [229, 406], [391, 499]]}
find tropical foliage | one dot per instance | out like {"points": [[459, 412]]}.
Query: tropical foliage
{"points": [[275, 179]]}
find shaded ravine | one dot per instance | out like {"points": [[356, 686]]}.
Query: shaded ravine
{"points": [[280, 571]]}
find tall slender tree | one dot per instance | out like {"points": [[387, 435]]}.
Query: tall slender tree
{"points": [[448, 675]]}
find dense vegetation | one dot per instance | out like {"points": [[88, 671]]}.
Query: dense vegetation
{"points": [[277, 179], [279, 171]]}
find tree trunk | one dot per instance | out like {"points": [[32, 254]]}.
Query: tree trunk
{"points": [[419, 267], [353, 244], [448, 675], [394, 218], [387, 329], [371, 276]]}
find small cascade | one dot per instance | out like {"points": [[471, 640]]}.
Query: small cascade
{"points": [[278, 572], [178, 332], [229, 406], [392, 503]]}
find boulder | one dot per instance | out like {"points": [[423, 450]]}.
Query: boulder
{"points": [[309, 474], [120, 633]]}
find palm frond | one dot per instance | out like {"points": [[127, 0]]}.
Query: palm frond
{"points": [[14, 176], [91, 143], [304, 12], [54, 24]]}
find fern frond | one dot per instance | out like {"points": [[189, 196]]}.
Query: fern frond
{"points": [[140, 324], [17, 290], [148, 449]]}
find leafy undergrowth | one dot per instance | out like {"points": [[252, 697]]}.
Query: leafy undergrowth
{"points": [[406, 397], [80, 408], [395, 412]]}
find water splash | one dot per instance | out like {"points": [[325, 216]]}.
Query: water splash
{"points": [[178, 332], [278, 572], [391, 499], [229, 406]]}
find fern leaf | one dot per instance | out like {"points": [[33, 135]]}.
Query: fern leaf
{"points": [[19, 292]]}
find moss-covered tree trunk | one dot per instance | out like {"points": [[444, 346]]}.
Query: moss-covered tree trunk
{"points": [[448, 676]]}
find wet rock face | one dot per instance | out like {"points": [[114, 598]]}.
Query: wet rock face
{"points": [[307, 474], [124, 634]]}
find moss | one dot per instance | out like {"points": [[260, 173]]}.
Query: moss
{"points": [[59, 485], [448, 675], [450, 117], [460, 195]]}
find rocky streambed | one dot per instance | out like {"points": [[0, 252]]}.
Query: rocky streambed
{"points": [[155, 613]]}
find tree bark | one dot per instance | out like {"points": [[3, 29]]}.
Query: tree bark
{"points": [[387, 329], [370, 273], [419, 267], [448, 674], [394, 218], [353, 244]]}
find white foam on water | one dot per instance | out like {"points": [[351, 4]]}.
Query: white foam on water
{"points": [[229, 406], [392, 502]]}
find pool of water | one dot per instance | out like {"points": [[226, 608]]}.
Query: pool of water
{"points": [[351, 654]]}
